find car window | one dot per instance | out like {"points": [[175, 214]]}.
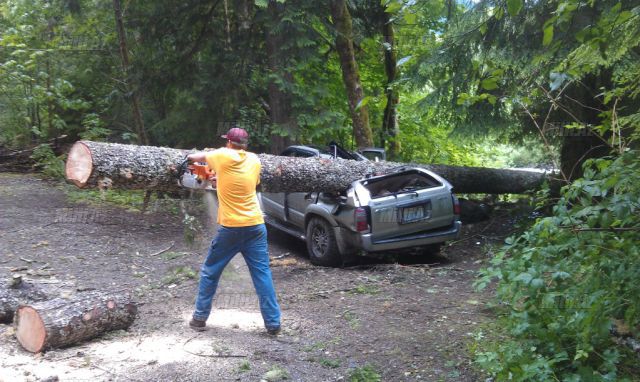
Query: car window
{"points": [[288, 153], [296, 152], [305, 154]]}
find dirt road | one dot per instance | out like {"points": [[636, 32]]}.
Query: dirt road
{"points": [[402, 322]]}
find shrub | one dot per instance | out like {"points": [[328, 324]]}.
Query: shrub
{"points": [[47, 162], [563, 282]]}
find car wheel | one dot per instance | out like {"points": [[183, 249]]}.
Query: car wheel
{"points": [[321, 243]]}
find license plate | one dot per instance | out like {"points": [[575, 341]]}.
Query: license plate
{"points": [[415, 213]]}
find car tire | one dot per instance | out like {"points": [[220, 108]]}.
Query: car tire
{"points": [[322, 244]]}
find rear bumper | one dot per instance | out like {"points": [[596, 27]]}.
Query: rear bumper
{"points": [[413, 240]]}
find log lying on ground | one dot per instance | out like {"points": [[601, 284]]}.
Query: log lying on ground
{"points": [[22, 161], [60, 322], [16, 292], [105, 165]]}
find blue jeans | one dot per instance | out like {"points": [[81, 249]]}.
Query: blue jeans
{"points": [[252, 243]]}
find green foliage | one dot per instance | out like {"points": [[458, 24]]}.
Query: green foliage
{"points": [[129, 199], [178, 275], [244, 367], [49, 58], [365, 289], [564, 281], [47, 162], [276, 373], [330, 363], [94, 128], [509, 68], [366, 373], [171, 255], [191, 228]]}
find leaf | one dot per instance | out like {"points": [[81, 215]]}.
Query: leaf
{"points": [[499, 13], [514, 6], [537, 282], [462, 99], [393, 7], [548, 35], [490, 83], [261, 3], [561, 275], [409, 17], [524, 277], [403, 60], [363, 102]]}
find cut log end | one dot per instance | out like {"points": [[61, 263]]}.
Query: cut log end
{"points": [[79, 164], [30, 330]]}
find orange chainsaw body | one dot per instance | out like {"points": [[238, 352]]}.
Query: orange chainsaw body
{"points": [[201, 171]]}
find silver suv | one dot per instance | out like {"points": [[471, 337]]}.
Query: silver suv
{"points": [[406, 209]]}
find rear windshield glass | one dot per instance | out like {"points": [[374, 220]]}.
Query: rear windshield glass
{"points": [[399, 183]]}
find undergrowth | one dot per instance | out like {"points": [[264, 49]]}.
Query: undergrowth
{"points": [[50, 165], [563, 284], [130, 199]]}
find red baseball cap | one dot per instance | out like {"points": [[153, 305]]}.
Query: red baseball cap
{"points": [[237, 135]]}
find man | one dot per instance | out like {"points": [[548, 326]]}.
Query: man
{"points": [[241, 229]]}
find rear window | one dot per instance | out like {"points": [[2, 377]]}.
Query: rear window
{"points": [[407, 181]]}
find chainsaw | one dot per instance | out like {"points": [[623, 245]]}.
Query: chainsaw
{"points": [[196, 176]]}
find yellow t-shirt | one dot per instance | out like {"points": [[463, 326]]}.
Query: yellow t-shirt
{"points": [[238, 174]]}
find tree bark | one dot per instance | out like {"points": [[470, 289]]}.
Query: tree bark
{"points": [[390, 119], [279, 97], [106, 165], [21, 160], [350, 76], [581, 144], [12, 295], [124, 54], [60, 322]]}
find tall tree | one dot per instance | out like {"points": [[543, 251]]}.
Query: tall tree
{"points": [[390, 128], [355, 94], [124, 54], [280, 78]]}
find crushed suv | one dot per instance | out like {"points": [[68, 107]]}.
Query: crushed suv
{"points": [[410, 208]]}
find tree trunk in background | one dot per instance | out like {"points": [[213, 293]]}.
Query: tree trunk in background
{"points": [[124, 55], [112, 165], [578, 145], [279, 97], [583, 104], [390, 119], [243, 14], [351, 77]]}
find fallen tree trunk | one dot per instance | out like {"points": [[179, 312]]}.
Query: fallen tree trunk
{"points": [[22, 161], [60, 322], [106, 165], [17, 292]]}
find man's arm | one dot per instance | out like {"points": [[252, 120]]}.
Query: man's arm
{"points": [[198, 157]]}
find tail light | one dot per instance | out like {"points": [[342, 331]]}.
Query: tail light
{"points": [[456, 205], [360, 217]]}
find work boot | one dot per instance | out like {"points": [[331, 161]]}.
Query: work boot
{"points": [[273, 331], [198, 325]]}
